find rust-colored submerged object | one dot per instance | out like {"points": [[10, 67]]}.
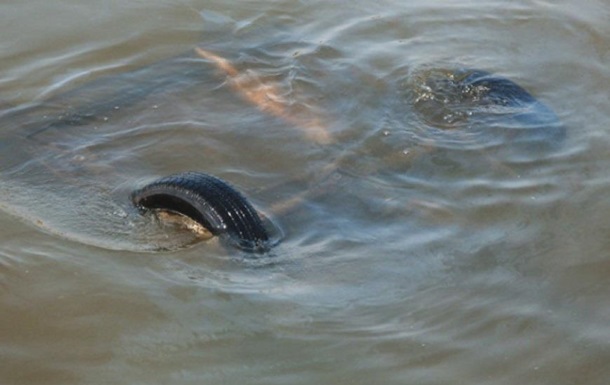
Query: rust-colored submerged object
{"points": [[267, 97]]}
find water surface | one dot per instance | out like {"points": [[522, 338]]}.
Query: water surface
{"points": [[417, 254]]}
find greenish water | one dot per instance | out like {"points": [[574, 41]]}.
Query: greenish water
{"points": [[415, 254]]}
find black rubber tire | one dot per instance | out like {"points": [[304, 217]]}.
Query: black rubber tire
{"points": [[485, 103], [210, 201]]}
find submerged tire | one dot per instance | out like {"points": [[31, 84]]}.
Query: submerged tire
{"points": [[211, 202], [491, 110]]}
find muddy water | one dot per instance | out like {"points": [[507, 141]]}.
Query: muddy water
{"points": [[416, 252]]}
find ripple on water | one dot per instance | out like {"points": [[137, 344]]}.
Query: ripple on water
{"points": [[444, 239]]}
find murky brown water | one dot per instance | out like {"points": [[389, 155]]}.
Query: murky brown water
{"points": [[417, 255]]}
